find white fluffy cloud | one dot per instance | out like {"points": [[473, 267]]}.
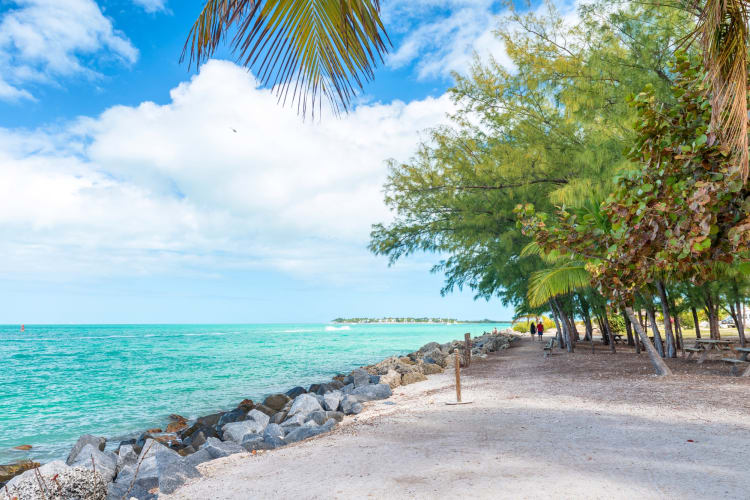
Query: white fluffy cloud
{"points": [[44, 40], [221, 176], [441, 36], [151, 5]]}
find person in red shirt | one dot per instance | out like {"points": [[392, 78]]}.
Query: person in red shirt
{"points": [[540, 330]]}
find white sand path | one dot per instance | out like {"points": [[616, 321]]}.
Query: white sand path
{"points": [[563, 427]]}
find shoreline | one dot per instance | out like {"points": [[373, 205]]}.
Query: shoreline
{"points": [[211, 436]]}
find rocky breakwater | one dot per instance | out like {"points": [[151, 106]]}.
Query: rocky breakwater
{"points": [[160, 462]]}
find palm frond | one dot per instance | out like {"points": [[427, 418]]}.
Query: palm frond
{"points": [[548, 283], [306, 49], [722, 31]]}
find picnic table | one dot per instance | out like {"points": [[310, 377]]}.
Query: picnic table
{"points": [[740, 360], [617, 337], [705, 346]]}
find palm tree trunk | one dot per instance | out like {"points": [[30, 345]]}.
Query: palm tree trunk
{"points": [[629, 331], [671, 351], [556, 317], [610, 335], [659, 365]]}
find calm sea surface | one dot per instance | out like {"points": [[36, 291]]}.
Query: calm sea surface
{"points": [[60, 381]]}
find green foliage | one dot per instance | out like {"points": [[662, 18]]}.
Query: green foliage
{"points": [[553, 130], [678, 212], [616, 323], [307, 49]]}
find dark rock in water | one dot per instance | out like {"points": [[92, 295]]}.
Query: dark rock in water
{"points": [[219, 449], [372, 392], [374, 379], [314, 388], [308, 431], [9, 471], [97, 442], [276, 401], [279, 417], [210, 420], [130, 442], [23, 447], [236, 415], [174, 427], [265, 409], [246, 404], [295, 391], [103, 462], [360, 377], [335, 385], [340, 378]]}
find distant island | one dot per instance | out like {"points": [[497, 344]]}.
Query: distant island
{"points": [[447, 321]]}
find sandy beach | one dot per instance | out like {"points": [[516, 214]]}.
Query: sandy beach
{"points": [[563, 427]]}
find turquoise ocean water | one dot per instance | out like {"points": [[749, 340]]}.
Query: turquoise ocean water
{"points": [[60, 381]]}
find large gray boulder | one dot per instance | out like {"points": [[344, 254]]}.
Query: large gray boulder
{"points": [[308, 431], [429, 347], [372, 392], [319, 417], [350, 405], [69, 483], [304, 404], [332, 400], [360, 377], [252, 442], [294, 421], [255, 423], [157, 467], [273, 430], [98, 442], [105, 463], [199, 457], [219, 449], [126, 456]]}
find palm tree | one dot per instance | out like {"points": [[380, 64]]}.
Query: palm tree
{"points": [[722, 31], [306, 49]]}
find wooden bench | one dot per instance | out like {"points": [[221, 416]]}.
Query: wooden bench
{"points": [[692, 350], [735, 364], [549, 346]]}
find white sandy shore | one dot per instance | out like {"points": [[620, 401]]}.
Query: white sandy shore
{"points": [[536, 429]]}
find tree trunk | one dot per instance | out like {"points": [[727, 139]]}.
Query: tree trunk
{"points": [[735, 309], [696, 322], [651, 313], [641, 320], [586, 315], [628, 328], [659, 365], [671, 351], [712, 310], [605, 319], [565, 320], [680, 341], [558, 322]]}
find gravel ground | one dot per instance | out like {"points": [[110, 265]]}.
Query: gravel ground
{"points": [[570, 426]]}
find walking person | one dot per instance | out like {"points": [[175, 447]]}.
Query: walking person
{"points": [[532, 329], [540, 330]]}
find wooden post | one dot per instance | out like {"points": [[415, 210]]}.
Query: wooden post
{"points": [[467, 338], [458, 377]]}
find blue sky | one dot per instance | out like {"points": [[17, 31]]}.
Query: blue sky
{"points": [[125, 196]]}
